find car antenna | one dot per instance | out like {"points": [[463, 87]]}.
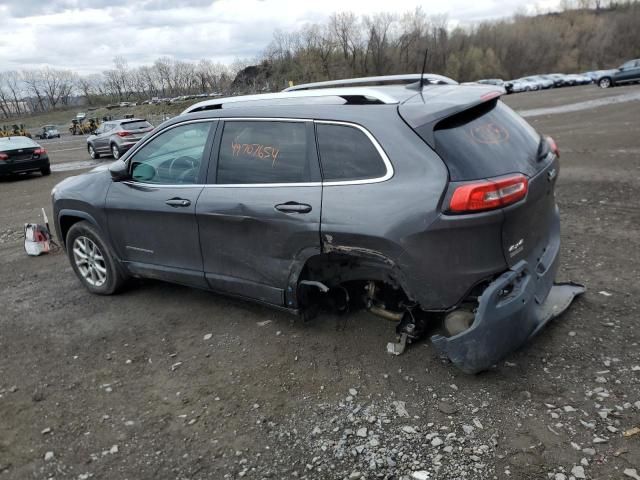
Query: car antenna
{"points": [[418, 85], [424, 66]]}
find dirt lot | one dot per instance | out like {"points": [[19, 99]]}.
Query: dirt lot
{"points": [[168, 382]]}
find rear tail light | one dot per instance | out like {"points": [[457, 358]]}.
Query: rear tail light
{"points": [[4, 156], [488, 194], [39, 151], [124, 134], [553, 146]]}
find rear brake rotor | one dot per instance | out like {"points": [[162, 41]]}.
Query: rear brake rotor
{"points": [[458, 321]]}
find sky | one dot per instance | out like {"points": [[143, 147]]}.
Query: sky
{"points": [[85, 35]]}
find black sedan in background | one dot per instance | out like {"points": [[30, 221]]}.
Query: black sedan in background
{"points": [[21, 154]]}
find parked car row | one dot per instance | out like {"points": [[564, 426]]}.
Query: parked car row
{"points": [[626, 73], [543, 82]]}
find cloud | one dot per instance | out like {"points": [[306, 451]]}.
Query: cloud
{"points": [[85, 35]]}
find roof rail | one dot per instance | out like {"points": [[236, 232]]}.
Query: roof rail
{"points": [[385, 79], [351, 95]]}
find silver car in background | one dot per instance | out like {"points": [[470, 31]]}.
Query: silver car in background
{"points": [[115, 137]]}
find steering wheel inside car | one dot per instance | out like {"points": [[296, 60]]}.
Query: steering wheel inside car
{"points": [[180, 167]]}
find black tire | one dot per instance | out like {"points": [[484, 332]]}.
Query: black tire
{"points": [[58, 135], [605, 82], [115, 151], [95, 155], [45, 170], [84, 233]]}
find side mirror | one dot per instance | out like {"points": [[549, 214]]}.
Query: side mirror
{"points": [[119, 171]]}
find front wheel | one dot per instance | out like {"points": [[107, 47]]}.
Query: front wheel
{"points": [[115, 151], [604, 82], [92, 260]]}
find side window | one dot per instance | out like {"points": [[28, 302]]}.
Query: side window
{"points": [[173, 157], [346, 153], [263, 152]]}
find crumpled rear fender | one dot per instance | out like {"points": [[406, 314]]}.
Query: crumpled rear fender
{"points": [[510, 311]]}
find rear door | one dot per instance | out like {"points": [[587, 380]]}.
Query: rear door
{"points": [[151, 218], [101, 142], [260, 210]]}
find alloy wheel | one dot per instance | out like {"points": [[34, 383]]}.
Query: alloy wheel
{"points": [[92, 152], [115, 152], [90, 261]]}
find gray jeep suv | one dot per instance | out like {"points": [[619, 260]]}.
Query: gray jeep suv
{"points": [[431, 205]]}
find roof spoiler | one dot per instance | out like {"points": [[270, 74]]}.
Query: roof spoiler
{"points": [[425, 111]]}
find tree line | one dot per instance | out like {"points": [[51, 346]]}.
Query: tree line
{"points": [[584, 35], [41, 90]]}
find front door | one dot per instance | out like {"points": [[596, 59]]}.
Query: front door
{"points": [[151, 217], [627, 72], [260, 211]]}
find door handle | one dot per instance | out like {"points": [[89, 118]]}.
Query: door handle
{"points": [[293, 207], [178, 202]]}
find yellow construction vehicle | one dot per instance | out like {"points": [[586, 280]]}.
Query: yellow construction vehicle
{"points": [[83, 126], [14, 130]]}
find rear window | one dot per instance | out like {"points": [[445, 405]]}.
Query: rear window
{"points": [[346, 153], [487, 141], [263, 152], [138, 125], [11, 143]]}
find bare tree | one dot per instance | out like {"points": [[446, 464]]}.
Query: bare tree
{"points": [[346, 29], [34, 86]]}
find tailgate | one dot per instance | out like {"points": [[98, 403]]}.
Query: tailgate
{"points": [[488, 141], [529, 225]]}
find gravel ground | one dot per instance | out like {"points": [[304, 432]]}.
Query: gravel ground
{"points": [[163, 381]]}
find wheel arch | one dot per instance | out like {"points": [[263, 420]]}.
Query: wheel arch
{"points": [[606, 77], [336, 266], [67, 218]]}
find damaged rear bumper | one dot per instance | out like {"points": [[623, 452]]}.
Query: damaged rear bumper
{"points": [[510, 311]]}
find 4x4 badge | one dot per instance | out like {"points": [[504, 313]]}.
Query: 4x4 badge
{"points": [[516, 248]]}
